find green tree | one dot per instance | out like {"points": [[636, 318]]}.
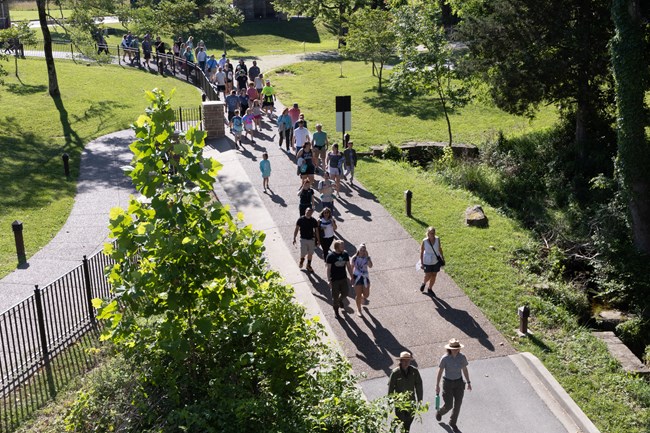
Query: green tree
{"points": [[20, 32], [216, 340], [222, 17], [334, 14], [426, 55], [629, 51], [553, 52], [371, 38]]}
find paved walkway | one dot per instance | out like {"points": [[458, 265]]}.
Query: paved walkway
{"points": [[511, 391]]}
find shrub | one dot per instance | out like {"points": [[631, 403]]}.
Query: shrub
{"points": [[393, 152], [215, 338]]}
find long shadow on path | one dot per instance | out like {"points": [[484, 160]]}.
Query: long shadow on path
{"points": [[461, 319]]}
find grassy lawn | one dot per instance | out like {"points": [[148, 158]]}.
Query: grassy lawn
{"points": [[478, 260], [32, 15], [34, 134], [401, 118]]}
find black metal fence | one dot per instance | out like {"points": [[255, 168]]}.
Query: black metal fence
{"points": [[185, 118], [42, 339]]}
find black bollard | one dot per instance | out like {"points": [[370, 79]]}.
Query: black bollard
{"points": [[17, 227], [66, 164], [408, 195], [524, 314]]}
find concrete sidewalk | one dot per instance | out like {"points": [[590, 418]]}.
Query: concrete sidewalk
{"points": [[101, 186], [511, 391]]}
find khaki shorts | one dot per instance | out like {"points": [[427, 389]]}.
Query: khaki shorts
{"points": [[307, 247], [321, 153]]}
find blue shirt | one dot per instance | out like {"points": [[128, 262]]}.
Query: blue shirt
{"points": [[265, 167]]}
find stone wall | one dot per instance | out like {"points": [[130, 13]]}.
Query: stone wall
{"points": [[214, 118]]}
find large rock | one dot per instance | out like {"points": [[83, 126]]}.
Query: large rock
{"points": [[475, 217]]}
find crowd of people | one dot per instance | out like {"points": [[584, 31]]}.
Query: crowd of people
{"points": [[249, 101]]}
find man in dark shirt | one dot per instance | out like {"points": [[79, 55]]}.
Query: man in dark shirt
{"points": [[338, 267], [253, 71], [232, 104], [405, 379], [308, 228]]}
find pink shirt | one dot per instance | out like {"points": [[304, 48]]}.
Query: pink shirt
{"points": [[252, 93], [294, 113]]}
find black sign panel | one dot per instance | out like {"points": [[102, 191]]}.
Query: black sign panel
{"points": [[343, 104]]}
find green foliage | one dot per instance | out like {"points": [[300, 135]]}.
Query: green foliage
{"points": [[97, 402], [425, 66], [217, 343], [629, 50], [393, 152], [371, 38]]}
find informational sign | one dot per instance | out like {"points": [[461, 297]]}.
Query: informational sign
{"points": [[343, 114], [343, 121]]}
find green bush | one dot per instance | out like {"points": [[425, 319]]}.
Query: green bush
{"points": [[393, 152], [215, 338]]}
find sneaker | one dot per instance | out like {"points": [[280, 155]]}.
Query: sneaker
{"points": [[302, 262], [309, 268], [438, 416], [422, 288], [431, 292], [336, 313]]}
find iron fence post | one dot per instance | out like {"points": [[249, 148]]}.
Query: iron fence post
{"points": [[43, 337], [180, 117], [119, 57], [89, 292]]}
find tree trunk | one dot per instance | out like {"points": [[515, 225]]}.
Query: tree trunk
{"points": [[443, 102], [47, 49], [381, 70], [629, 60]]}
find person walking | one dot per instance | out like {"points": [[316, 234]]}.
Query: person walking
{"points": [[361, 262], [306, 195], [327, 226], [350, 161], [338, 267], [334, 164], [300, 137], [265, 168], [406, 379], [452, 368], [308, 228], [268, 95], [326, 190], [320, 143], [431, 259], [284, 129], [253, 71], [306, 156]]}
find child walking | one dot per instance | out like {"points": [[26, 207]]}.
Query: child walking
{"points": [[248, 124], [265, 168]]}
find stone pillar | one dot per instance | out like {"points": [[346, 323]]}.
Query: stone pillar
{"points": [[214, 118]]}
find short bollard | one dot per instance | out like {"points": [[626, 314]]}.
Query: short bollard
{"points": [[17, 227], [524, 314], [66, 164], [408, 195]]}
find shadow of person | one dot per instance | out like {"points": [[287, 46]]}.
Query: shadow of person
{"points": [[276, 198], [355, 210], [462, 320], [372, 354]]}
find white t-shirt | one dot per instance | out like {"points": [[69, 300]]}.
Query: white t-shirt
{"points": [[301, 135], [220, 77]]}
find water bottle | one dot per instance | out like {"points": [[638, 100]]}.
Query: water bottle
{"points": [[437, 401]]}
